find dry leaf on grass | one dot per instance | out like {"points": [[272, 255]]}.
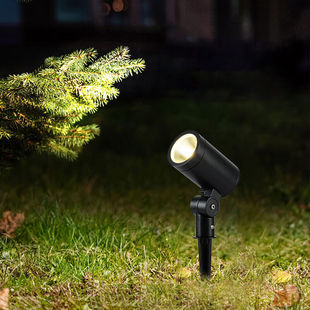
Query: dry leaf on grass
{"points": [[185, 272], [279, 276], [9, 223], [287, 296], [4, 299]]}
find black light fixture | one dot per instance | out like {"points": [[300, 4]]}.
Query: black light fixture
{"points": [[215, 174]]}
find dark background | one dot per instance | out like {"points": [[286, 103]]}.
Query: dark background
{"points": [[235, 70]]}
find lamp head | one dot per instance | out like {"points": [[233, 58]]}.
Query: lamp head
{"points": [[202, 163]]}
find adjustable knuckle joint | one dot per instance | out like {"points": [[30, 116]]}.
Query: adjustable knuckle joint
{"points": [[206, 206]]}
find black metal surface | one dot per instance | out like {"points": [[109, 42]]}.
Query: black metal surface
{"points": [[205, 251], [208, 168], [216, 176]]}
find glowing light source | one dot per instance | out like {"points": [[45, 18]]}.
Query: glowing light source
{"points": [[183, 148]]}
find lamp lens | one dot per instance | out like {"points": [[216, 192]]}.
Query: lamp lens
{"points": [[183, 148]]}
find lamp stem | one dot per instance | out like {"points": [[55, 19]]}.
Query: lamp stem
{"points": [[205, 251], [204, 234], [205, 208]]}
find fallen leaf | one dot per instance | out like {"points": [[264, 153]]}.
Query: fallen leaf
{"points": [[9, 223], [185, 272], [4, 299], [279, 276], [287, 296]]}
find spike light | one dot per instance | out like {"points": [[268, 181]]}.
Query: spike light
{"points": [[215, 174]]}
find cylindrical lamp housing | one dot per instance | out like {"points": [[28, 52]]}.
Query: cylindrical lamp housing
{"points": [[202, 163]]}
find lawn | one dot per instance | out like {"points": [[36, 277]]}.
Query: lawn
{"points": [[113, 230]]}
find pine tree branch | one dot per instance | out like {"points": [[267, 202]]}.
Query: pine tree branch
{"points": [[40, 111]]}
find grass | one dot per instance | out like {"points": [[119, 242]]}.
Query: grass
{"points": [[94, 248], [113, 230]]}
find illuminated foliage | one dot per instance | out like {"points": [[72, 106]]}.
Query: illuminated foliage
{"points": [[40, 111]]}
